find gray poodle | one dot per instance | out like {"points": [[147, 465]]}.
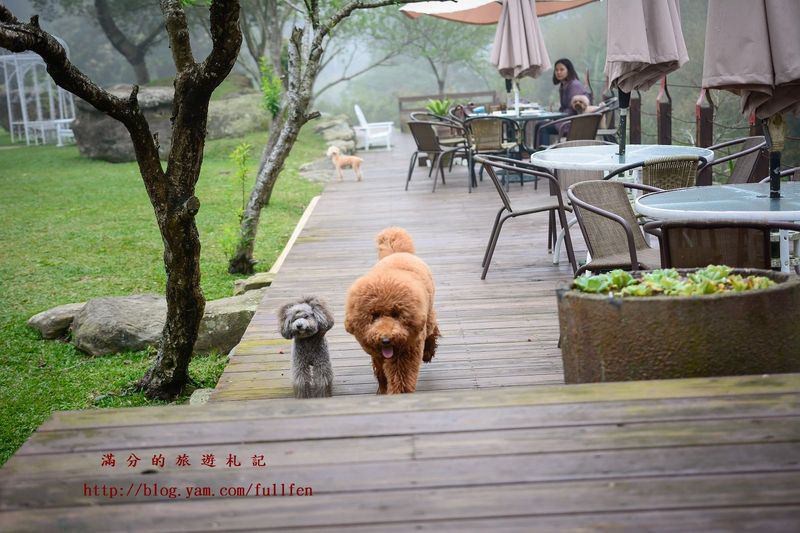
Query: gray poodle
{"points": [[306, 321]]}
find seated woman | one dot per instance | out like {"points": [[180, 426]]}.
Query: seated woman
{"points": [[569, 85]]}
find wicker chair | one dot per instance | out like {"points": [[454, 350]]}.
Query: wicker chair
{"points": [[581, 128], [745, 160], [566, 178], [609, 226], [666, 173], [555, 204], [450, 132], [428, 143], [693, 244], [489, 136]]}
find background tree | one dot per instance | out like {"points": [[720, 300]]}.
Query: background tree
{"points": [[307, 46], [442, 44], [133, 27], [171, 191]]}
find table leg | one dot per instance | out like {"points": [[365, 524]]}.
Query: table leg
{"points": [[784, 247]]}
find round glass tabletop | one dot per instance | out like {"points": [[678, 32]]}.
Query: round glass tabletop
{"points": [[605, 156], [747, 202]]}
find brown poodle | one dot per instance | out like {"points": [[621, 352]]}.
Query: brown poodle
{"points": [[390, 312]]}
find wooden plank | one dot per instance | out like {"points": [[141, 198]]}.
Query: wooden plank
{"points": [[397, 506], [396, 473], [386, 424], [551, 395]]}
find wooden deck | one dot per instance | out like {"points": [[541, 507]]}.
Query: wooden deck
{"points": [[520, 454], [496, 333], [687, 455]]}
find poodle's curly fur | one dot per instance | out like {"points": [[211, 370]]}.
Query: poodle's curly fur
{"points": [[390, 312], [306, 321]]}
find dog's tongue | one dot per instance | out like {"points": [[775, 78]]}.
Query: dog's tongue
{"points": [[387, 351]]}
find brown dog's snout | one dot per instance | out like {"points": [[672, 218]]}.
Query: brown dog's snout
{"points": [[385, 340]]}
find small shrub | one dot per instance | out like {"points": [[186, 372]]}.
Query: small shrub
{"points": [[271, 87]]}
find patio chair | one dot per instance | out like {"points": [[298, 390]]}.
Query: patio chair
{"points": [[488, 135], [610, 228], [552, 204], [581, 128], [449, 131], [428, 143], [373, 132], [745, 160], [565, 179], [666, 173], [694, 244], [607, 130]]}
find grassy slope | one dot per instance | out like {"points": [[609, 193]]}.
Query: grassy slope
{"points": [[72, 229]]}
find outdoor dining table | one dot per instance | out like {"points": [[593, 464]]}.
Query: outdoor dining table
{"points": [[749, 202], [604, 157]]}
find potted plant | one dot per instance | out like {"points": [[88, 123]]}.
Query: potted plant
{"points": [[661, 324], [439, 107]]}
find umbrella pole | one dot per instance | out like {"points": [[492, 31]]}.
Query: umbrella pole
{"points": [[624, 104], [775, 130]]}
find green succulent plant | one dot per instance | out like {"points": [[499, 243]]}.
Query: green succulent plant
{"points": [[439, 107], [669, 282]]}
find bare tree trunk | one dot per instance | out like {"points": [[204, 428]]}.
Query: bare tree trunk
{"points": [[141, 72], [133, 52], [172, 192], [242, 261]]}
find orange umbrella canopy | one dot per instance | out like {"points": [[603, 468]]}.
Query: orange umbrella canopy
{"points": [[482, 11]]}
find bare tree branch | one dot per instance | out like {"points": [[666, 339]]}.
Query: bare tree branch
{"points": [[178, 31], [227, 39], [349, 77]]}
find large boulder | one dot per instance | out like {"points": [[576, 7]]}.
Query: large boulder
{"points": [[54, 323], [119, 324], [225, 321], [130, 323], [236, 116], [99, 136]]}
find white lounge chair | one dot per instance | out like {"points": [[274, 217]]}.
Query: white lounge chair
{"points": [[373, 133]]}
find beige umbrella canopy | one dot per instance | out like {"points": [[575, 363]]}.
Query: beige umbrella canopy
{"points": [[753, 50], [644, 43], [519, 48], [482, 11]]}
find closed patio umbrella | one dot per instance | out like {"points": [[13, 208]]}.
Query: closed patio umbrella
{"points": [[482, 11], [519, 48], [753, 49], [645, 43]]}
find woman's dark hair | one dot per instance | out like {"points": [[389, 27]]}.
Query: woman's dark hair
{"points": [[571, 74]]}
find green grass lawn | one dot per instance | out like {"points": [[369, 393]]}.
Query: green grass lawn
{"points": [[73, 229]]}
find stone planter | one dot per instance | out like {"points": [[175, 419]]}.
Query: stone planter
{"points": [[662, 337]]}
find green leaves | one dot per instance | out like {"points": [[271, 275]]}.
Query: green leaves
{"points": [[439, 107], [271, 88], [668, 282]]}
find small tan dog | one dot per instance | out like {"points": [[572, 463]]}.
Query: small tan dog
{"points": [[580, 103], [344, 161]]}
